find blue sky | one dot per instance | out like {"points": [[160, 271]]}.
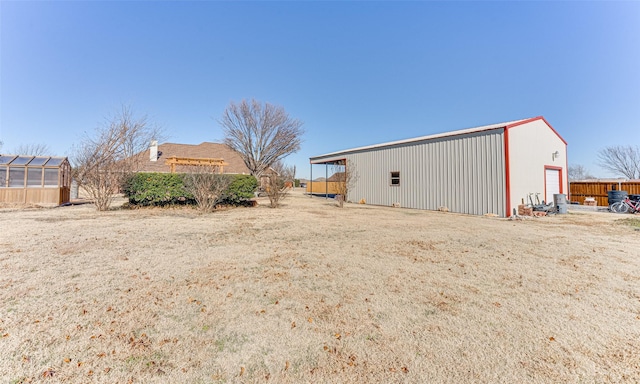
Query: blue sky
{"points": [[357, 73]]}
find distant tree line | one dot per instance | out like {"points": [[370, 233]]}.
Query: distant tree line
{"points": [[620, 160]]}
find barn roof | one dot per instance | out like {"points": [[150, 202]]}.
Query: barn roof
{"points": [[437, 136]]}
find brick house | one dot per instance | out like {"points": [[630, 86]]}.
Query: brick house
{"points": [[154, 159]]}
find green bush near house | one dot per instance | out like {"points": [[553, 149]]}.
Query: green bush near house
{"points": [[163, 189], [240, 190], [157, 189]]}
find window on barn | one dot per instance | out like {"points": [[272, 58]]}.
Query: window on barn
{"points": [[16, 177], [34, 177], [3, 177], [395, 178]]}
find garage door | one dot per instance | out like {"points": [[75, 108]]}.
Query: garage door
{"points": [[552, 180]]}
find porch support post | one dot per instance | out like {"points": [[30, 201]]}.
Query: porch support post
{"points": [[311, 180], [326, 180]]}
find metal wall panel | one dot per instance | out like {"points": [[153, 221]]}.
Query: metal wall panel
{"points": [[464, 173]]}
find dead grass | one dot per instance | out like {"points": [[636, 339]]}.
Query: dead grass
{"points": [[633, 222], [317, 294]]}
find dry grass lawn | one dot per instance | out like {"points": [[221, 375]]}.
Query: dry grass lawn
{"points": [[310, 293]]}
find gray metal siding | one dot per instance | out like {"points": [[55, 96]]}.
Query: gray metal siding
{"points": [[464, 173]]}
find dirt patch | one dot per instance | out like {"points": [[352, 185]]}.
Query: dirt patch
{"points": [[313, 293]]}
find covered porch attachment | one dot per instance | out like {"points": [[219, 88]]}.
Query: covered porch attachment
{"points": [[331, 185]]}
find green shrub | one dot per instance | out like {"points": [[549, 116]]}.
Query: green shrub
{"points": [[157, 189], [160, 189], [240, 190]]}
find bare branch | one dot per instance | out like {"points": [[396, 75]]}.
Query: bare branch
{"points": [[103, 161], [32, 150], [345, 175], [279, 182], [579, 172], [206, 186], [261, 133], [622, 160]]}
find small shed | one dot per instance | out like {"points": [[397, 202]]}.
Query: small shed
{"points": [[34, 179], [483, 170]]}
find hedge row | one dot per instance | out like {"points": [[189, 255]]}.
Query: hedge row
{"points": [[160, 189]]}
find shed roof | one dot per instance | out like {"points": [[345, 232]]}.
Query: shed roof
{"points": [[436, 136], [31, 161]]}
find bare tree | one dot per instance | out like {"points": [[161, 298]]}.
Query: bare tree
{"points": [[104, 161], [293, 176], [32, 150], [1, 144], [207, 187], [579, 172], [622, 160], [345, 175], [278, 182], [261, 133]]}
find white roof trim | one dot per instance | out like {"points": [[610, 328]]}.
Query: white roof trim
{"points": [[421, 138]]}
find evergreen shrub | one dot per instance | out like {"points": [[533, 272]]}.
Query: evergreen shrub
{"points": [[162, 189]]}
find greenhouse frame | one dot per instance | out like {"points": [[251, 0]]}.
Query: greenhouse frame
{"points": [[34, 180]]}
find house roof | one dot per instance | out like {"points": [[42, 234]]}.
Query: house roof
{"points": [[338, 176], [202, 150], [507, 124]]}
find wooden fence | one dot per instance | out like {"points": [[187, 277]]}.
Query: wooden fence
{"points": [[579, 190], [322, 187]]}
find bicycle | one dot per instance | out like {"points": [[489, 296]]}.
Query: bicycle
{"points": [[631, 204]]}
